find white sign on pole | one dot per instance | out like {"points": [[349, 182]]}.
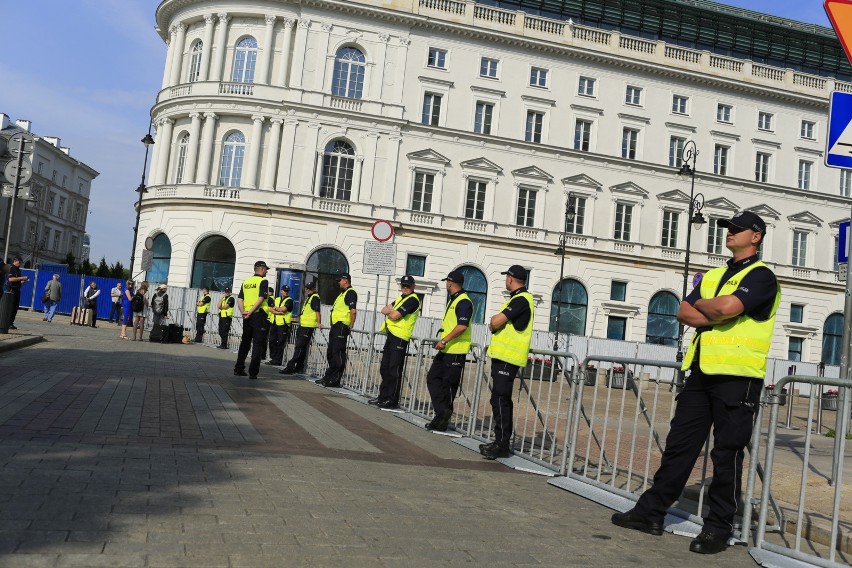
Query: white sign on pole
{"points": [[11, 172], [379, 258], [147, 259], [23, 192], [842, 271]]}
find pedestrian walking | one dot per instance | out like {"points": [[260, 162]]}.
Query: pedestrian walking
{"points": [[254, 308], [53, 293], [511, 332], [343, 313], [115, 304], [445, 375], [401, 316], [202, 308], [309, 320], [280, 316], [127, 308], [226, 316], [733, 312]]}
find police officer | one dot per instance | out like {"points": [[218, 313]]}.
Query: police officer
{"points": [[510, 345], [202, 307], [733, 313], [309, 320], [343, 313], [254, 308], [13, 285], [445, 374], [226, 316], [281, 313], [399, 326]]}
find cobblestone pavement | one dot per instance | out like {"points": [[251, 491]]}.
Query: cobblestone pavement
{"points": [[119, 453]]}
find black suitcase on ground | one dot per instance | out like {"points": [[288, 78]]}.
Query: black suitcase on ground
{"points": [[159, 334], [174, 333]]}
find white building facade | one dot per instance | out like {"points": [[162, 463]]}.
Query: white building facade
{"points": [[285, 129]]}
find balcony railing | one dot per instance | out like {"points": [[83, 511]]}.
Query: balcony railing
{"points": [[475, 226], [421, 218], [222, 193], [167, 191], [528, 234], [495, 15], [334, 206], [246, 89]]}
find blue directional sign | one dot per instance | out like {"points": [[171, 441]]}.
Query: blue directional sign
{"points": [[843, 245], [838, 152]]}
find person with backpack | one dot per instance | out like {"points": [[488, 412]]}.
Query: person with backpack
{"points": [[160, 305], [139, 305], [127, 308]]}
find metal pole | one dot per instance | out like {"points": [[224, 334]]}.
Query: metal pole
{"points": [[12, 202], [843, 393], [688, 153], [147, 140]]}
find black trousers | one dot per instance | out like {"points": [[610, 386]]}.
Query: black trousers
{"points": [[728, 404], [338, 335], [255, 332], [444, 380], [300, 349], [115, 309], [278, 337], [16, 292], [94, 307], [391, 368], [200, 322], [224, 330], [502, 378]]}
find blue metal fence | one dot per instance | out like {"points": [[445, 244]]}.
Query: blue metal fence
{"points": [[73, 286]]}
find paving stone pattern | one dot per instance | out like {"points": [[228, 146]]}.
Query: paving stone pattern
{"points": [[118, 453]]}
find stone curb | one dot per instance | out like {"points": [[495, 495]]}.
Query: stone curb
{"points": [[20, 342]]}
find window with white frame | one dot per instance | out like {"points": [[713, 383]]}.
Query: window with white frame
{"points": [[761, 166], [64, 181], [431, 109], [623, 221], [676, 144], [349, 69], [764, 120], [474, 207], [575, 225], [488, 67], [671, 219], [846, 183], [629, 143], [233, 151], [534, 126], [483, 117], [715, 236], [45, 237], [421, 194], [720, 159], [338, 170], [245, 60], [724, 113], [61, 212], [183, 145], [808, 130], [538, 77], [40, 167], [633, 95], [57, 240], [586, 86], [32, 234], [795, 348], [437, 58], [805, 168], [195, 62], [582, 134], [800, 248], [526, 206], [797, 313], [51, 203], [74, 245], [78, 210], [679, 103]]}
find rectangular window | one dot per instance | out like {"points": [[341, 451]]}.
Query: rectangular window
{"points": [[623, 221], [57, 239], [800, 248], [415, 265], [715, 237], [61, 212], [526, 207], [846, 183], [437, 58], [671, 219], [78, 209], [538, 77], [74, 245], [805, 167], [488, 67], [575, 225], [421, 199], [616, 328], [51, 203], [40, 167], [723, 113], [679, 104], [582, 134], [794, 350], [629, 140], [676, 144], [64, 180], [618, 291], [633, 95], [431, 109], [482, 118], [764, 120], [797, 313], [45, 238], [535, 122], [586, 87], [720, 160], [807, 130], [475, 202], [761, 167], [53, 177]]}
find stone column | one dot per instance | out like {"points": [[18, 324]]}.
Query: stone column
{"points": [[299, 53], [155, 151], [192, 151], [390, 174], [249, 178], [401, 59], [322, 54], [177, 55], [285, 53], [285, 157], [365, 191], [310, 157], [165, 143], [207, 47], [265, 63], [272, 154], [206, 148], [356, 179], [378, 78], [221, 48], [167, 68]]}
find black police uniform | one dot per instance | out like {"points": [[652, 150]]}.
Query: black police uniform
{"points": [[302, 344], [445, 374], [338, 335], [255, 332], [279, 335], [15, 289], [201, 320], [225, 324], [393, 357]]}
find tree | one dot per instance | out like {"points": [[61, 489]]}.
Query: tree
{"points": [[103, 269], [87, 268], [118, 271], [71, 262]]}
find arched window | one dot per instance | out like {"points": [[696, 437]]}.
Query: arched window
{"points": [[162, 250], [233, 151], [349, 66], [245, 59], [195, 62], [322, 267], [183, 144], [570, 302], [662, 319], [213, 264], [338, 167], [476, 287], [832, 339]]}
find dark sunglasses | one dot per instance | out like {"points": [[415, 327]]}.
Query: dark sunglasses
{"points": [[736, 230]]}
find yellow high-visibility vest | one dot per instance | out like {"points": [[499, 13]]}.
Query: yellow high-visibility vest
{"points": [[509, 344], [204, 308], [278, 319], [308, 317], [251, 292], [460, 344], [402, 328], [225, 310], [340, 311]]}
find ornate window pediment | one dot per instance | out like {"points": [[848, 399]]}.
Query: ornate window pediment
{"points": [[765, 211], [722, 203], [674, 195], [482, 164], [629, 188], [582, 180], [533, 172], [806, 218], [836, 224], [428, 155]]}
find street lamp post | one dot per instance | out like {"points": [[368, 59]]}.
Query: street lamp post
{"points": [[147, 140], [570, 213], [689, 155]]}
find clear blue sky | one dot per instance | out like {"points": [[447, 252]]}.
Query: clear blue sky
{"points": [[88, 72]]}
